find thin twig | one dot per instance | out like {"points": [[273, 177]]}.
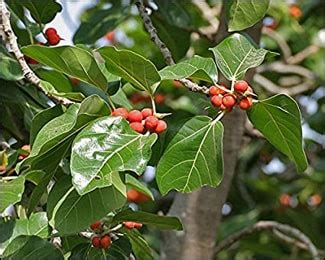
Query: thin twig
{"points": [[300, 56], [163, 48], [11, 39], [270, 225]]}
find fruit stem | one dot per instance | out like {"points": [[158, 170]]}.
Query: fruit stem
{"points": [[153, 104], [232, 85]]}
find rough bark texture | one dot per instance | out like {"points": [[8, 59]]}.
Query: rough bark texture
{"points": [[200, 211]]}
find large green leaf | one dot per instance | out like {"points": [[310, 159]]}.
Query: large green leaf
{"points": [[140, 246], [98, 24], [193, 158], [235, 55], [246, 13], [130, 66], [58, 133], [161, 222], [119, 250], [36, 225], [197, 67], [73, 61], [31, 248], [42, 11], [278, 118], [11, 192], [105, 146], [70, 213]]}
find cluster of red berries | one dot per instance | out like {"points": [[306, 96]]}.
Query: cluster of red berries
{"points": [[241, 95], [52, 36], [131, 225], [142, 121], [99, 241]]}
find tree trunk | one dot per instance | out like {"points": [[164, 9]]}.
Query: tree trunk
{"points": [[201, 210]]}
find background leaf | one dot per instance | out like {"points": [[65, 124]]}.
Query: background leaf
{"points": [[193, 158], [140, 246], [73, 61], [235, 55], [42, 11], [130, 66], [161, 222], [278, 118], [70, 213], [246, 13], [11, 192], [105, 146]]}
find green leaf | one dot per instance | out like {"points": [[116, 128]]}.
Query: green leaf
{"points": [[130, 66], [59, 81], [73, 61], [100, 22], [41, 118], [246, 13], [42, 11], [193, 158], [140, 246], [11, 192], [70, 213], [134, 183], [105, 146], [36, 225], [49, 88], [197, 68], [120, 99], [235, 55], [58, 133], [10, 69], [161, 222], [31, 248], [279, 119]]}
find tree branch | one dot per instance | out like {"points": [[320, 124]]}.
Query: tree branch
{"points": [[11, 39], [294, 234], [163, 48]]}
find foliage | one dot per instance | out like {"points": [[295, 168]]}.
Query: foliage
{"points": [[84, 161]]}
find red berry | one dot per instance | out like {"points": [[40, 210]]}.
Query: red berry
{"points": [[131, 225], [241, 86], [135, 116], [228, 100], [110, 36], [105, 242], [146, 112], [246, 103], [96, 242], [161, 126], [96, 225], [50, 31], [216, 100], [137, 126], [213, 90], [136, 196], [121, 111], [53, 39], [151, 122]]}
